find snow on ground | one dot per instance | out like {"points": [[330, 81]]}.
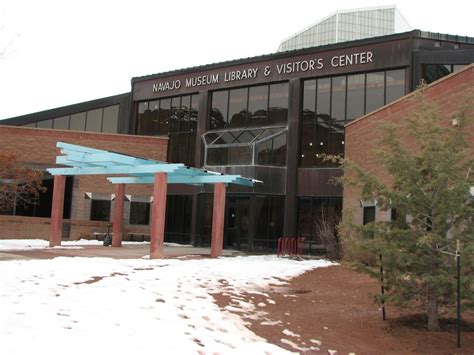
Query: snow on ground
{"points": [[35, 244], [101, 305]]}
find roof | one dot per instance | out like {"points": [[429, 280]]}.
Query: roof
{"points": [[290, 53], [126, 169]]}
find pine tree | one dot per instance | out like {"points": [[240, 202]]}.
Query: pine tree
{"points": [[429, 191]]}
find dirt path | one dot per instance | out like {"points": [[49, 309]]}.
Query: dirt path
{"points": [[333, 309]]}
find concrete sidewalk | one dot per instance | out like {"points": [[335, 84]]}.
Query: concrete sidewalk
{"points": [[127, 251]]}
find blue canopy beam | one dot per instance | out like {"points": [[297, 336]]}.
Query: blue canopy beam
{"points": [[175, 179]]}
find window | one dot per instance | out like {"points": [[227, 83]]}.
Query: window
{"points": [[278, 104], [258, 106], [338, 98], [374, 91], [238, 107], [368, 214], [329, 103], [61, 122], [246, 147], [94, 120], [355, 96], [175, 117], [41, 205], [139, 213], [100, 210], [45, 124], [178, 219], [78, 122], [218, 118], [395, 85], [110, 119], [249, 107]]}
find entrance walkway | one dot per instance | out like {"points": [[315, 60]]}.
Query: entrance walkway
{"points": [[127, 251]]}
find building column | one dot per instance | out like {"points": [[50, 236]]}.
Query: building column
{"points": [[292, 159], [218, 215], [117, 228], [57, 210], [158, 216]]}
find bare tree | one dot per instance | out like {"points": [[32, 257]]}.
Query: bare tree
{"points": [[326, 227], [18, 184]]}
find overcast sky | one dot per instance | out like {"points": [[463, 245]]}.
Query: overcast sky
{"points": [[64, 52]]}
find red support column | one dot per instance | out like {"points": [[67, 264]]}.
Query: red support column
{"points": [[118, 216], [218, 214], [57, 210], [158, 215]]}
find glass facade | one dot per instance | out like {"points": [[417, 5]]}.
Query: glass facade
{"points": [[329, 103], [257, 146], [252, 222], [348, 25], [175, 117], [103, 120], [241, 126]]}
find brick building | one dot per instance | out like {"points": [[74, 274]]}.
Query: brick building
{"points": [[88, 206], [448, 94], [269, 118]]}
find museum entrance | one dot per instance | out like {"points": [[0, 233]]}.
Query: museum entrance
{"points": [[237, 223]]}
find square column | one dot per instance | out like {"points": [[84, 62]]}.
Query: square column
{"points": [[57, 210], [158, 216], [218, 214], [117, 228]]}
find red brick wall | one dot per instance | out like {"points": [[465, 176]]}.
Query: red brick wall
{"points": [[38, 146], [362, 135]]}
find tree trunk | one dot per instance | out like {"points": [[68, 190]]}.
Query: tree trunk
{"points": [[432, 311]]}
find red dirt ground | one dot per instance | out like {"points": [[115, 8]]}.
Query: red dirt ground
{"points": [[335, 306]]}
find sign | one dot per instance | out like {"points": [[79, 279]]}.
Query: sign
{"points": [[253, 72], [308, 63]]}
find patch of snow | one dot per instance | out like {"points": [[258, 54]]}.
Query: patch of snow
{"points": [[103, 305], [332, 352], [38, 244], [271, 322], [261, 304], [297, 347], [271, 301], [314, 341], [290, 333]]}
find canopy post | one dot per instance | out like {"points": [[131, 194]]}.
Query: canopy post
{"points": [[57, 211], [117, 228], [218, 215], [158, 216]]}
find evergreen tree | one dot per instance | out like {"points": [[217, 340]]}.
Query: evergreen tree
{"points": [[431, 171]]}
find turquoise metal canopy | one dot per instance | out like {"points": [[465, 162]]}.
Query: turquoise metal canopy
{"points": [[134, 170]]}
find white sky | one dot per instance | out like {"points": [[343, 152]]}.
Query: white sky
{"points": [[65, 52]]}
